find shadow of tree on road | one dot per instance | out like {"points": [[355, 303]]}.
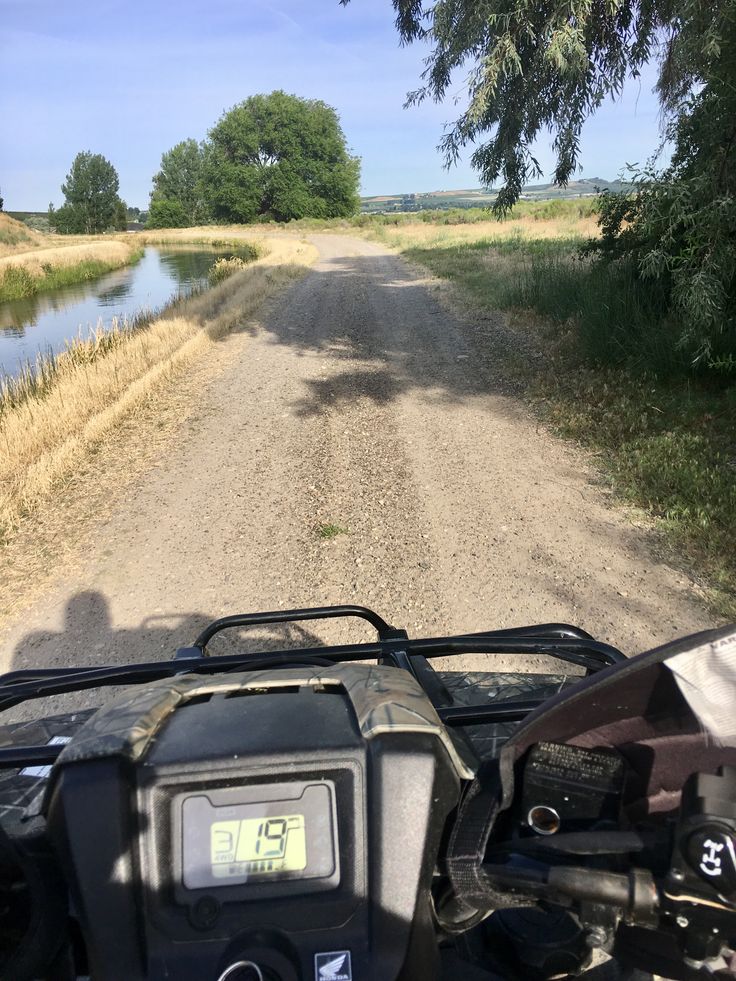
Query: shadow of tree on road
{"points": [[373, 309]]}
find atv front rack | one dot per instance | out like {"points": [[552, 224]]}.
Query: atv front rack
{"points": [[393, 647]]}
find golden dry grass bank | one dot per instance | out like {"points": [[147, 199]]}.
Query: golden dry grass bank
{"points": [[45, 435], [522, 230], [213, 235], [31, 262], [16, 238], [39, 260]]}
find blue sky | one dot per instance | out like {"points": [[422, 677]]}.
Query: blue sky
{"points": [[130, 78]]}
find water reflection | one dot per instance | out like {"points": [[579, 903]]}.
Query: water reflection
{"points": [[46, 321], [118, 288]]}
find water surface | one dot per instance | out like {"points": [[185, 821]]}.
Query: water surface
{"points": [[45, 322]]}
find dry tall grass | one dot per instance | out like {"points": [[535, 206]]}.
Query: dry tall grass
{"points": [[420, 234], [38, 261], [213, 235], [44, 436], [15, 238]]}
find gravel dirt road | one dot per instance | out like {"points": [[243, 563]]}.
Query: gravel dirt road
{"points": [[359, 402]]}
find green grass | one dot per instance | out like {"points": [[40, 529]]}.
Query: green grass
{"points": [[618, 318], [530, 210], [668, 445], [611, 378], [330, 530], [17, 283]]}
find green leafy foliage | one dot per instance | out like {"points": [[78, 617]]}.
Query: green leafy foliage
{"points": [[166, 213], [179, 181], [121, 216], [677, 228], [279, 157], [90, 196]]}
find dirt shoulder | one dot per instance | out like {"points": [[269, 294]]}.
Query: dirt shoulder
{"points": [[355, 400]]}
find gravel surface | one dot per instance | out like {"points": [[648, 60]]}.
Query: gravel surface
{"points": [[361, 403]]}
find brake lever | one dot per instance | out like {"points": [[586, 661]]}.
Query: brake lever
{"points": [[634, 893]]}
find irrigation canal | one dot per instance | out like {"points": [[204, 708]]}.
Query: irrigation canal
{"points": [[45, 322]]}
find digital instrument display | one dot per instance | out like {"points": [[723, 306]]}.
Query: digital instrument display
{"points": [[258, 834], [258, 845]]}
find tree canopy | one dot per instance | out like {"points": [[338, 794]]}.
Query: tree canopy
{"points": [[167, 213], [120, 219], [90, 196], [280, 157], [177, 198]]}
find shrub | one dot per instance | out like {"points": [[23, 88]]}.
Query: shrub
{"points": [[223, 268]]}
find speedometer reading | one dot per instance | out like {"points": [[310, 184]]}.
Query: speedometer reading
{"points": [[258, 835], [258, 846]]}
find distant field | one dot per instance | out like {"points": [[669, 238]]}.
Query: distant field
{"points": [[483, 198]]}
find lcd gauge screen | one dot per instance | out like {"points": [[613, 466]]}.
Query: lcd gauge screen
{"points": [[258, 834], [258, 845]]}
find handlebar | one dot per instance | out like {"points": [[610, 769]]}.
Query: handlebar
{"points": [[275, 810]]}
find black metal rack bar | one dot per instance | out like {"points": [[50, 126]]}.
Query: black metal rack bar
{"points": [[12, 757], [557, 640], [21, 686], [514, 710]]}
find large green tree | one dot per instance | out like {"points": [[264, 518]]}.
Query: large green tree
{"points": [[281, 157], [532, 66], [177, 188], [90, 196]]}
